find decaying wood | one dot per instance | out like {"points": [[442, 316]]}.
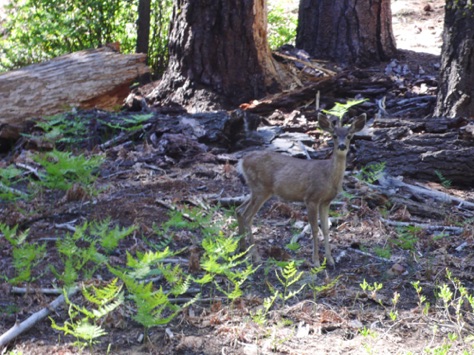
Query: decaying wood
{"points": [[423, 193], [291, 99], [419, 148], [86, 79]]}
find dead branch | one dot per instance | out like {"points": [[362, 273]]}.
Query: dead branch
{"points": [[389, 183], [44, 291], [456, 230], [19, 328]]}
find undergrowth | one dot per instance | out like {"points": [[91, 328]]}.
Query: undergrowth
{"points": [[151, 284]]}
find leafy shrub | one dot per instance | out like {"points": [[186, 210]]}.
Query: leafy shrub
{"points": [[281, 24], [37, 30]]}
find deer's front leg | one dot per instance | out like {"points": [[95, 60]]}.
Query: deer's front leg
{"points": [[313, 221], [324, 218]]}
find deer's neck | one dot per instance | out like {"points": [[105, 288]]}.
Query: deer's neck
{"points": [[338, 165]]}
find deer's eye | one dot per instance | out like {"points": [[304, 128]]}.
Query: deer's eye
{"points": [[349, 137], [334, 136]]}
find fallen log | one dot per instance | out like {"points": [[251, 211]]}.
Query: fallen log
{"points": [[95, 78], [421, 148]]}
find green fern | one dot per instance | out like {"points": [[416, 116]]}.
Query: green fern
{"points": [[80, 251], [110, 238], [446, 183], [407, 237], [288, 276], [371, 173], [339, 110], [153, 306], [220, 259], [63, 128], [9, 177], [146, 264], [62, 170], [26, 256], [317, 289], [129, 123], [83, 322]]}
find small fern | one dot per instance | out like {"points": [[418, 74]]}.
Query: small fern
{"points": [[9, 177], [317, 289], [153, 306], [446, 183], [110, 238], [372, 172], [83, 322], [339, 109], [81, 251], [288, 276], [26, 256], [62, 170], [130, 123], [220, 259]]}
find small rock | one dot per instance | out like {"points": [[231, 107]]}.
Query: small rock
{"points": [[396, 270]]}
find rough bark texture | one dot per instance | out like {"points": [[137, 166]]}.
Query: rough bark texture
{"points": [[456, 84], [143, 26], [218, 48], [93, 78], [346, 31], [419, 147]]}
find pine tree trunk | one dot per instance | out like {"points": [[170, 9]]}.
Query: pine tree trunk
{"points": [[218, 51], [346, 31], [456, 84], [143, 26]]}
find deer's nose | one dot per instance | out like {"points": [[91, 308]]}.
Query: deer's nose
{"points": [[342, 146]]}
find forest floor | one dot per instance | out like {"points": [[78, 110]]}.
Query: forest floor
{"points": [[139, 185]]}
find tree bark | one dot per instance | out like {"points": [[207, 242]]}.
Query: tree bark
{"points": [[143, 26], [218, 51], [92, 78], [346, 31], [456, 84]]}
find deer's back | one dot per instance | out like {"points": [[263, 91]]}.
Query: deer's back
{"points": [[290, 178]]}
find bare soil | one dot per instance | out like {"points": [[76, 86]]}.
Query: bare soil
{"points": [[343, 319]]}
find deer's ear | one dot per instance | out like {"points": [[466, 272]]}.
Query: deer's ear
{"points": [[324, 123], [358, 123]]}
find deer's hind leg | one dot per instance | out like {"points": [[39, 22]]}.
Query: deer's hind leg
{"points": [[245, 215]]}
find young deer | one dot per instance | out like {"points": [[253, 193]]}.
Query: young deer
{"points": [[314, 182]]}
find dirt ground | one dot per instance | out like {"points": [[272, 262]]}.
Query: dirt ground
{"points": [[139, 184]]}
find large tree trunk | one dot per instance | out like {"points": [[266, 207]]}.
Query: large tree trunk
{"points": [[346, 31], [92, 78], [143, 26], [456, 84], [218, 51]]}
